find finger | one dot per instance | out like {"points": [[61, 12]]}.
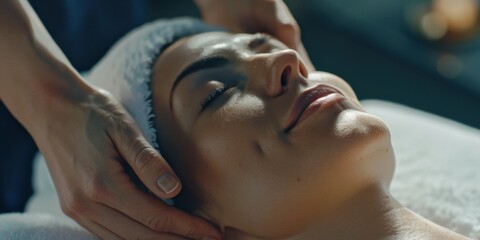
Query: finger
{"points": [[279, 22], [80, 211], [126, 227], [146, 162], [306, 59], [97, 229], [288, 33], [160, 217]]}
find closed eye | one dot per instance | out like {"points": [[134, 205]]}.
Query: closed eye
{"points": [[258, 40], [213, 96]]}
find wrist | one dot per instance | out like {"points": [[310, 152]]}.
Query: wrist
{"points": [[35, 73], [61, 93], [47, 92]]}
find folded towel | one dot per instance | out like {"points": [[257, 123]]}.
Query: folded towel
{"points": [[125, 71], [37, 226]]}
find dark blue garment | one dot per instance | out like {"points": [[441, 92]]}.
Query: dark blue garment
{"points": [[16, 151], [84, 30]]}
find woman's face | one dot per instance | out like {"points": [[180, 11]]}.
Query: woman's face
{"points": [[269, 146]]}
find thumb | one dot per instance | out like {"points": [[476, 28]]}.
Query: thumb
{"points": [[150, 167], [279, 22], [288, 33]]}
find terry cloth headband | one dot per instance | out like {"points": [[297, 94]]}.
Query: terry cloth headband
{"points": [[127, 68]]}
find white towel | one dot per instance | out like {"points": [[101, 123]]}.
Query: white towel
{"points": [[437, 176], [125, 71], [37, 226], [438, 166]]}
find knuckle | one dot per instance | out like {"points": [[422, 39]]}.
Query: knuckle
{"points": [[74, 205], [291, 28], [290, 34], [122, 124], [144, 157], [159, 223], [102, 96], [96, 190]]}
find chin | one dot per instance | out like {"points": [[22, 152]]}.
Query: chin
{"points": [[358, 123], [369, 145], [362, 145]]}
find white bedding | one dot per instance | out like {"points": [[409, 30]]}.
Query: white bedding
{"points": [[437, 176], [438, 166]]}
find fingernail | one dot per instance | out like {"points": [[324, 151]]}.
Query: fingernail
{"points": [[167, 183]]}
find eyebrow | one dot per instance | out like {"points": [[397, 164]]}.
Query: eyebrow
{"points": [[199, 65]]}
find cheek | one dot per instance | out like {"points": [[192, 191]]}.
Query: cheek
{"points": [[331, 139], [341, 155], [228, 172], [254, 192], [339, 141], [231, 131], [243, 182]]}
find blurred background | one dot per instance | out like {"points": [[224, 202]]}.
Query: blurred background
{"points": [[420, 53]]}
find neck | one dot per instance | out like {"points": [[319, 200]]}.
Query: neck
{"points": [[374, 214], [371, 214]]}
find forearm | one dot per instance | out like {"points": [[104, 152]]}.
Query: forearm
{"points": [[32, 67]]}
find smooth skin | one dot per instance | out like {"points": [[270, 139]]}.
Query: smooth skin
{"points": [[326, 178], [86, 135], [253, 16]]}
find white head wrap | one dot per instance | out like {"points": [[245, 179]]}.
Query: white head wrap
{"points": [[126, 69]]}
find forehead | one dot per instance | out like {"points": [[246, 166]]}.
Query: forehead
{"points": [[208, 40], [188, 49]]}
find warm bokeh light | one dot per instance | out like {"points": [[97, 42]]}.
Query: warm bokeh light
{"points": [[434, 26], [460, 15]]}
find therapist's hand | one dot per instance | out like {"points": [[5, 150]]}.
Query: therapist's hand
{"points": [[87, 143], [87, 139], [252, 16]]}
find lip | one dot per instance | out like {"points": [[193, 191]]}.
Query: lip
{"points": [[310, 101]]}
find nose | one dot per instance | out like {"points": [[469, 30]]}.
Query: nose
{"points": [[280, 70]]}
